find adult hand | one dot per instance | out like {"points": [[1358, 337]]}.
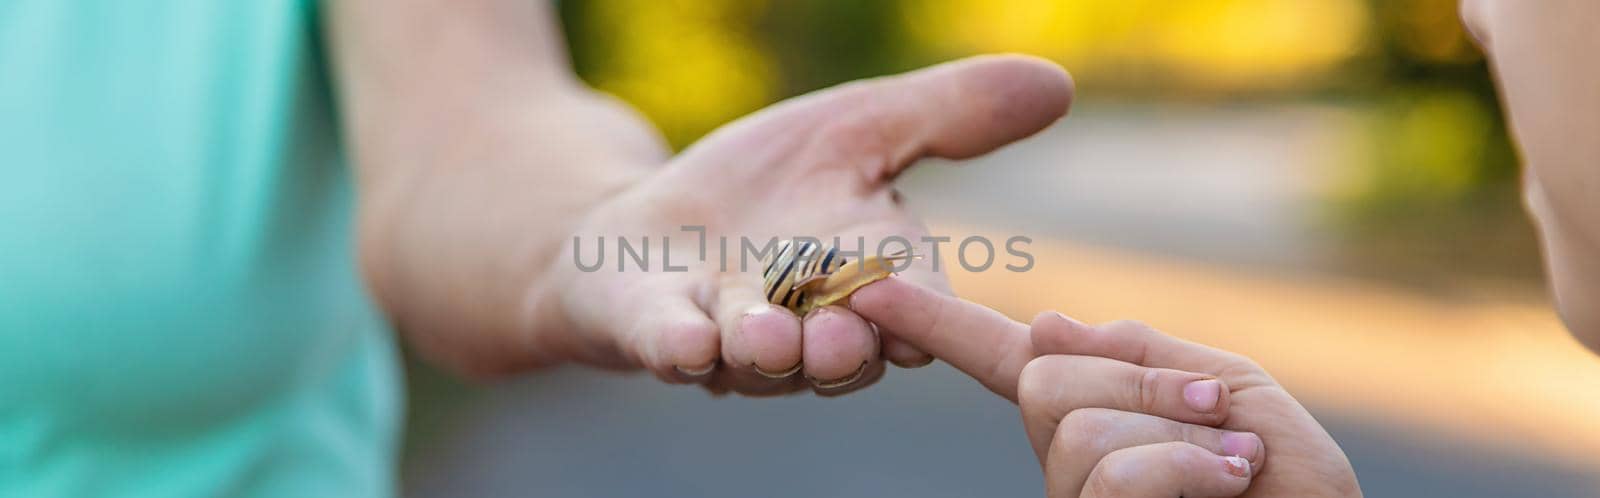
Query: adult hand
{"points": [[480, 158], [822, 166], [1122, 409]]}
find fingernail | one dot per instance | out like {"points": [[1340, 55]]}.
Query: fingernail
{"points": [[766, 312], [759, 309], [758, 312], [921, 362], [1241, 444], [815, 313], [1235, 466], [697, 371], [830, 384], [1202, 395], [777, 375]]}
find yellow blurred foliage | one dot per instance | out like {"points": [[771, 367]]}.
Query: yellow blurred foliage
{"points": [[1210, 44], [690, 65]]}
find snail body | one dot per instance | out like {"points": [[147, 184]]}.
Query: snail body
{"points": [[803, 275]]}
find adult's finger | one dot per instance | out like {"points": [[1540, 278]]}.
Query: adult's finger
{"points": [[1052, 386], [1165, 470], [902, 354], [973, 338], [761, 342], [955, 110], [839, 348], [869, 376], [1088, 435], [675, 339]]}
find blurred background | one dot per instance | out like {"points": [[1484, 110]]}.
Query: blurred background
{"points": [[1322, 185]]}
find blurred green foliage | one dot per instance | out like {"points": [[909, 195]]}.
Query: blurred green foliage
{"points": [[1433, 195], [1435, 122]]}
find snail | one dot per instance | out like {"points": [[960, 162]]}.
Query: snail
{"points": [[803, 275]]}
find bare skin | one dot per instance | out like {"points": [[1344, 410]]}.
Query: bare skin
{"points": [[1122, 409], [1543, 55], [480, 157]]}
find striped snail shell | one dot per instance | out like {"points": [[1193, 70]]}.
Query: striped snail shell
{"points": [[796, 262], [803, 275]]}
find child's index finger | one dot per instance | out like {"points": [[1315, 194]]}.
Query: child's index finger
{"points": [[971, 337]]}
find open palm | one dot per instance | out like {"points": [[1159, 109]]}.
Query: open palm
{"points": [[820, 165]]}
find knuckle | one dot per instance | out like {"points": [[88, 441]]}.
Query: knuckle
{"points": [[1109, 478], [1144, 391], [1044, 321], [1193, 434], [1086, 431], [1000, 368], [1187, 456], [1136, 338]]}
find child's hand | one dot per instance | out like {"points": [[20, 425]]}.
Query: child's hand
{"points": [[1122, 409]]}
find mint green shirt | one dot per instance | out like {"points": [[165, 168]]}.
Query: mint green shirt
{"points": [[180, 313]]}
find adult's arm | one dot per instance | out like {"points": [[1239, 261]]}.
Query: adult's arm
{"points": [[476, 152]]}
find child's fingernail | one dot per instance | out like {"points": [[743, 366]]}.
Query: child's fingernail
{"points": [[1202, 395], [1236, 466], [1242, 444]]}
